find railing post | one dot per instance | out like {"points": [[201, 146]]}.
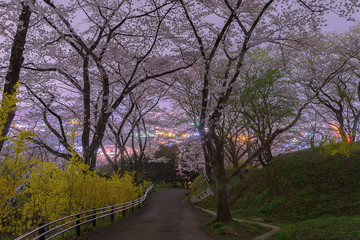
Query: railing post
{"points": [[112, 213], [132, 206], [124, 211], [41, 231], [94, 219], [78, 227]]}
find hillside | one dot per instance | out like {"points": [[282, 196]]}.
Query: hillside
{"points": [[300, 186]]}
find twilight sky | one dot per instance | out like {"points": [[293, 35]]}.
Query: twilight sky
{"points": [[339, 24]]}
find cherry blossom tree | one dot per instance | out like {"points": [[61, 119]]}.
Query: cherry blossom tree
{"points": [[128, 130], [186, 96], [337, 102], [89, 61], [86, 71], [243, 25]]}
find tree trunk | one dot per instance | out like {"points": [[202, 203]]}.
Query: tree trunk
{"points": [[223, 211], [93, 160], [354, 128], [90, 156], [16, 61], [85, 138], [208, 170], [342, 132], [216, 151], [268, 154]]}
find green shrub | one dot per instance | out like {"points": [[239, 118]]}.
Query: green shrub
{"points": [[270, 207], [262, 196], [216, 225]]}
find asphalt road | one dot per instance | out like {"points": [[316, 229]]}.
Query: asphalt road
{"points": [[167, 215]]}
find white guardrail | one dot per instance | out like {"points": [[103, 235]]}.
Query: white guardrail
{"points": [[62, 225]]}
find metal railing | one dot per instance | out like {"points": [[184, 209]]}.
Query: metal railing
{"points": [[74, 221]]}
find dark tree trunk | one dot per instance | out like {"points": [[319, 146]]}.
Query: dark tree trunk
{"points": [[85, 138], [342, 132], [223, 211], [312, 142], [90, 156], [208, 170], [268, 153], [216, 151], [16, 61], [354, 127]]}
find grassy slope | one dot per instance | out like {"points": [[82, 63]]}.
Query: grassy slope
{"points": [[244, 231], [300, 186]]}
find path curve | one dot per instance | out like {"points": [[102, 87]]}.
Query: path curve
{"points": [[274, 229], [167, 215]]}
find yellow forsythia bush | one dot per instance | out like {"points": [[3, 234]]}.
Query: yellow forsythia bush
{"points": [[32, 191], [54, 193], [51, 193], [13, 179]]}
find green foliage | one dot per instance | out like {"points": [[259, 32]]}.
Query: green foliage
{"points": [[217, 225], [219, 231], [217, 228], [310, 185], [328, 228], [283, 235], [307, 185], [163, 171], [243, 230], [271, 206], [199, 185], [262, 196], [265, 94], [345, 149]]}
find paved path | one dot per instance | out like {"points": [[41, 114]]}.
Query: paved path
{"points": [[167, 215]]}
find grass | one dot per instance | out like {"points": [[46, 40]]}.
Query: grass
{"points": [[300, 186], [303, 192], [216, 231], [199, 185], [325, 228]]}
